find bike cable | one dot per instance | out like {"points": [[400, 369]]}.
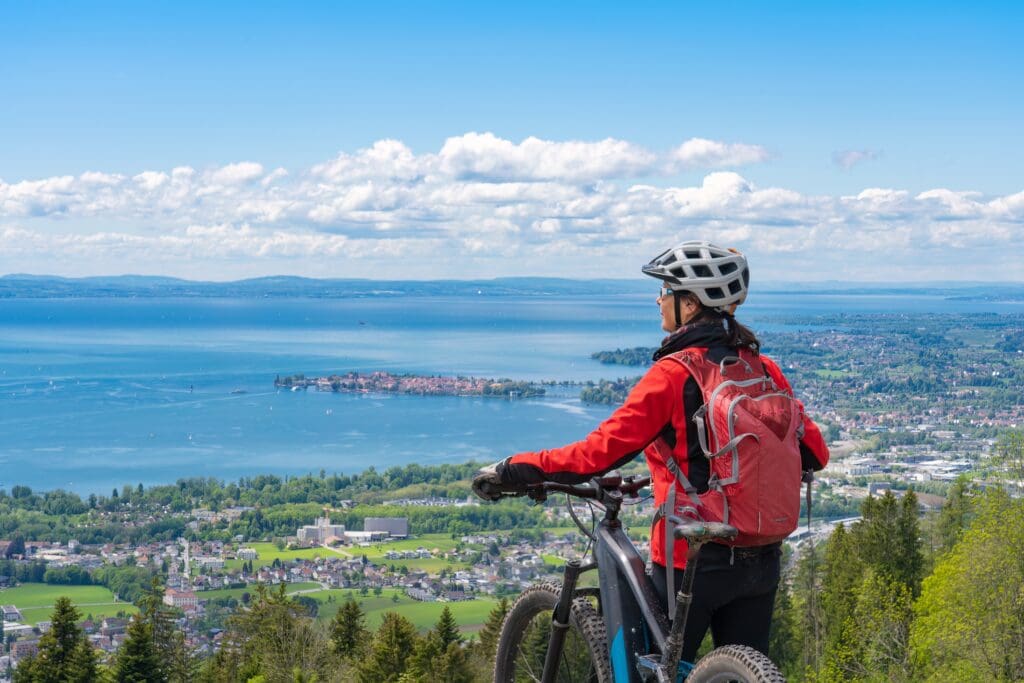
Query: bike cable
{"points": [[579, 523]]}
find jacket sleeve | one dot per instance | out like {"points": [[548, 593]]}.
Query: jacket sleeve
{"points": [[813, 449], [616, 441]]}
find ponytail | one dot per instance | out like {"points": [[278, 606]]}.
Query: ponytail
{"points": [[739, 335]]}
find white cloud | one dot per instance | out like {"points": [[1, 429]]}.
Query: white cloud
{"points": [[701, 153], [388, 159], [234, 174], [486, 156], [151, 180], [848, 158], [482, 205]]}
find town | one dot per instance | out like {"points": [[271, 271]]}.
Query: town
{"points": [[905, 402], [387, 383]]}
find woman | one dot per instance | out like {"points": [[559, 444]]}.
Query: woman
{"points": [[734, 590]]}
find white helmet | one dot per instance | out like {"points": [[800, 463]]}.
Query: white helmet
{"points": [[718, 277]]}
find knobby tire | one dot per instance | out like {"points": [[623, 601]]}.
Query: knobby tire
{"points": [[735, 664], [524, 639]]}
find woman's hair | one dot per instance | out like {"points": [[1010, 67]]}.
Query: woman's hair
{"points": [[739, 334]]}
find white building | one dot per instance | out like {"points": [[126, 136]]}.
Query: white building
{"points": [[247, 554], [185, 600], [320, 531], [210, 562]]}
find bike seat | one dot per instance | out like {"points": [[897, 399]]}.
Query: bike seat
{"points": [[700, 532]]}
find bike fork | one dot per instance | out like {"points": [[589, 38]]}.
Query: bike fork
{"points": [[560, 621]]}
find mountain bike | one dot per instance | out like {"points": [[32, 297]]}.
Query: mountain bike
{"points": [[618, 632]]}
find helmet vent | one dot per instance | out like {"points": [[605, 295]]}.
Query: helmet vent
{"points": [[715, 293], [727, 268], [702, 271], [735, 287], [692, 254]]}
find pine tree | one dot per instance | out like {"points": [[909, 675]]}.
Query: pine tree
{"points": [[784, 638], [137, 660], [909, 563], [64, 656], [348, 631], [889, 538], [393, 644], [272, 638], [807, 608], [446, 629], [841, 576], [481, 652], [955, 514], [440, 655], [175, 662], [491, 630], [454, 666], [425, 662]]}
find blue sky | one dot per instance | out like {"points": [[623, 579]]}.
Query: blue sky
{"points": [[837, 99]]}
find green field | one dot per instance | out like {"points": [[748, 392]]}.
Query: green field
{"points": [[375, 553], [268, 552], [236, 593], [35, 600], [470, 615]]}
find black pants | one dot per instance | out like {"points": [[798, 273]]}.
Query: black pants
{"points": [[733, 594]]}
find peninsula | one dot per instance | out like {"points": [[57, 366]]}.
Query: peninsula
{"points": [[419, 385]]}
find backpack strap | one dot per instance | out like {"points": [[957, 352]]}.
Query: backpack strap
{"points": [[667, 510]]}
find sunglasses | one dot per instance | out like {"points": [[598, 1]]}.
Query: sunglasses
{"points": [[664, 291]]}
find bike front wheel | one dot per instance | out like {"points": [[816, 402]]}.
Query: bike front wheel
{"points": [[523, 644], [735, 664]]}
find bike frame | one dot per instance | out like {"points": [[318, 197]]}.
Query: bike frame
{"points": [[638, 633], [628, 599]]}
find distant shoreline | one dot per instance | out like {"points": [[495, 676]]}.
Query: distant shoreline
{"points": [[409, 384]]}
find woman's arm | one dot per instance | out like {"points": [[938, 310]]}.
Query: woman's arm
{"points": [[616, 441]]}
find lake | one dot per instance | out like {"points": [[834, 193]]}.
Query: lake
{"points": [[96, 393]]}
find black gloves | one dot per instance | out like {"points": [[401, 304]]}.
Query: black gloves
{"points": [[487, 482], [505, 479]]}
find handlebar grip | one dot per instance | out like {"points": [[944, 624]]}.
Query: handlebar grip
{"points": [[495, 491]]}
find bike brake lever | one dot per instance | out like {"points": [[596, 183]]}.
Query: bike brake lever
{"points": [[537, 494]]}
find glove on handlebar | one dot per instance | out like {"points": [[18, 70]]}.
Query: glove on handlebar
{"points": [[487, 483], [505, 479]]}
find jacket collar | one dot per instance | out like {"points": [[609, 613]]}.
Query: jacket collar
{"points": [[698, 334]]}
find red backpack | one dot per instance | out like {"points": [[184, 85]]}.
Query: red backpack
{"points": [[750, 430]]}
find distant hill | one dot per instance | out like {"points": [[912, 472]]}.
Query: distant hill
{"points": [[50, 286]]}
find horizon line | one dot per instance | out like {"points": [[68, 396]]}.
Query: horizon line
{"points": [[886, 283]]}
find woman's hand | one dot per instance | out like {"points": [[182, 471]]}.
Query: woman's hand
{"points": [[490, 485]]}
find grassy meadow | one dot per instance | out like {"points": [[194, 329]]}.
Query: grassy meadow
{"points": [[35, 601]]}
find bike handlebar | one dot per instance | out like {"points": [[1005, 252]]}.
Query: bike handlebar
{"points": [[628, 486]]}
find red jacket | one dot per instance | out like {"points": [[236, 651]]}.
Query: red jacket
{"points": [[656, 401]]}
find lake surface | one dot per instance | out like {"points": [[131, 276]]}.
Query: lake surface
{"points": [[96, 393]]}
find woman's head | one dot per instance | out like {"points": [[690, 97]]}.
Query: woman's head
{"points": [[703, 283], [718, 277]]}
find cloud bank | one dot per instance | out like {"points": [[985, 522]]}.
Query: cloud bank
{"points": [[485, 206]]}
